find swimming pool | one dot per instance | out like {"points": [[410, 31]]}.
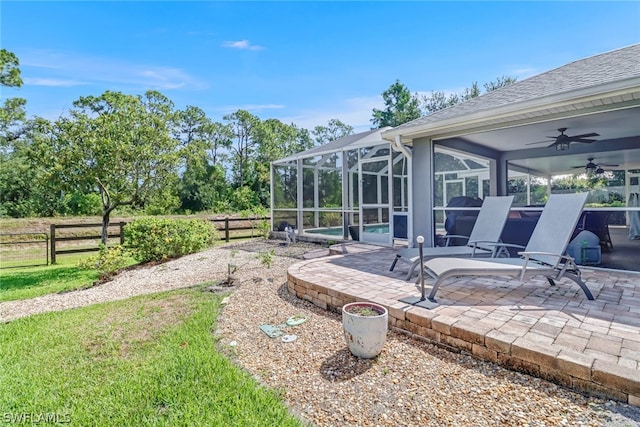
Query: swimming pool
{"points": [[337, 231]]}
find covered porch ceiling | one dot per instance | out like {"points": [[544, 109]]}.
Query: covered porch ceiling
{"points": [[528, 147]]}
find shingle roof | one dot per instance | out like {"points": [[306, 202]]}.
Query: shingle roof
{"points": [[596, 70]]}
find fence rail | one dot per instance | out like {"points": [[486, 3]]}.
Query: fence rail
{"points": [[54, 238], [18, 249]]}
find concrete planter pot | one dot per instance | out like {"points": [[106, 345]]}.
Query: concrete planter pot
{"points": [[365, 327]]}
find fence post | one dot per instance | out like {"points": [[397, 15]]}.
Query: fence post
{"points": [[226, 229], [52, 232], [46, 239]]}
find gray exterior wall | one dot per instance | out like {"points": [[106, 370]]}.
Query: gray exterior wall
{"points": [[422, 189]]}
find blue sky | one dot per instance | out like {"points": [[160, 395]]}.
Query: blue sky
{"points": [[300, 62]]}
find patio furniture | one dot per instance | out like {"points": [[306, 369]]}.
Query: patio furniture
{"points": [[598, 223], [485, 233], [452, 218], [516, 231], [544, 254], [585, 248]]}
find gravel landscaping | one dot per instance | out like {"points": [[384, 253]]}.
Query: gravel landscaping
{"points": [[412, 383]]}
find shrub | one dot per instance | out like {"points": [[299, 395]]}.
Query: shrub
{"points": [[155, 239], [107, 261]]}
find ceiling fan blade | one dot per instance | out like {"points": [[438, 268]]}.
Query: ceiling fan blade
{"points": [[585, 135], [539, 142], [609, 166], [573, 139]]}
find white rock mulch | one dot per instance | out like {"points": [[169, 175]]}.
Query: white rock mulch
{"points": [[411, 383]]}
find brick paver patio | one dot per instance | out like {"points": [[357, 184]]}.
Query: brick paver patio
{"points": [[553, 332]]}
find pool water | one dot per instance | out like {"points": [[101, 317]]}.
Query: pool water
{"points": [[337, 231]]}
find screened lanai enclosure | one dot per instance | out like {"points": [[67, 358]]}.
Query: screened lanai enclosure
{"points": [[355, 188], [358, 188]]}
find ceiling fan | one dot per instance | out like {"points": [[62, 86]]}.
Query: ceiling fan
{"points": [[562, 141], [592, 168]]}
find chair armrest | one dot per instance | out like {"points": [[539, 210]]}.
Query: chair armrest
{"points": [[527, 255], [485, 245], [508, 245], [501, 248], [565, 259]]}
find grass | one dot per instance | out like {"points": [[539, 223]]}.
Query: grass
{"points": [[23, 283], [65, 275], [148, 360]]}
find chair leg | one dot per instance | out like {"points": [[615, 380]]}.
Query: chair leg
{"points": [[412, 269], [580, 283], [393, 265]]}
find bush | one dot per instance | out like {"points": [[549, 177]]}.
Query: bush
{"points": [[107, 261], [155, 239]]}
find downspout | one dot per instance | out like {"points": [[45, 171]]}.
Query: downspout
{"points": [[397, 145]]}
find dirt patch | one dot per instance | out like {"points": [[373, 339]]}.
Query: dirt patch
{"points": [[134, 324]]}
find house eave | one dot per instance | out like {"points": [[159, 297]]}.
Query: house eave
{"points": [[612, 96]]}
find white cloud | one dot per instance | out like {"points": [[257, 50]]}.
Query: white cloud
{"points": [[241, 44], [52, 82], [55, 68]]}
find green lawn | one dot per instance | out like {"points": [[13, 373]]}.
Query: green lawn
{"points": [[32, 282], [148, 360]]}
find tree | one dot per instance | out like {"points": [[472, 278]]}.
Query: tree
{"points": [[218, 136], [16, 174], [12, 112], [118, 145], [499, 82], [9, 69], [242, 125], [335, 129], [275, 140], [401, 107], [439, 101]]}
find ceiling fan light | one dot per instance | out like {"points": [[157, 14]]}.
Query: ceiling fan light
{"points": [[562, 146], [599, 171]]}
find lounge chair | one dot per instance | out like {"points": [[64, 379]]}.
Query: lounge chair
{"points": [[544, 254], [486, 231]]}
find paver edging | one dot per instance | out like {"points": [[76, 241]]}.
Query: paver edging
{"points": [[570, 369]]}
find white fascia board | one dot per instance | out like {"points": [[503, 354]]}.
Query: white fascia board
{"points": [[353, 146], [561, 99]]}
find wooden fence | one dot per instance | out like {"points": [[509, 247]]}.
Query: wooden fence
{"points": [[228, 229], [54, 238], [24, 250]]}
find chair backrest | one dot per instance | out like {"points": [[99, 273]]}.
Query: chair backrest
{"points": [[491, 219], [555, 226]]}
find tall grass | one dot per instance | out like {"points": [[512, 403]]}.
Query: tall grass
{"points": [[148, 360]]}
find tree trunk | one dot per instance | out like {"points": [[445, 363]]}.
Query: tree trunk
{"points": [[105, 225]]}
